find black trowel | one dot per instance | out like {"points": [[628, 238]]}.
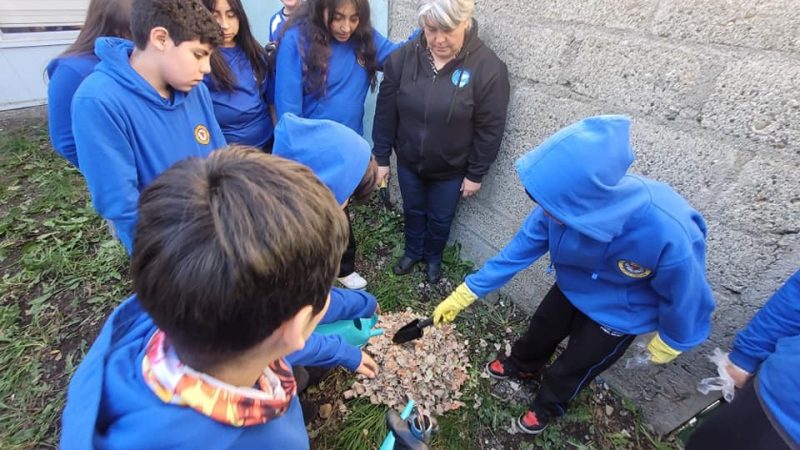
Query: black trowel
{"points": [[411, 331]]}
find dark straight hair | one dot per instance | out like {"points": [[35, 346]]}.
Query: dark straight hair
{"points": [[103, 18], [221, 73]]}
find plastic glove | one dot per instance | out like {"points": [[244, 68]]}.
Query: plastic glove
{"points": [[458, 300], [404, 438], [660, 352]]}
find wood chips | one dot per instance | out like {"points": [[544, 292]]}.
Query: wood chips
{"points": [[429, 370]]}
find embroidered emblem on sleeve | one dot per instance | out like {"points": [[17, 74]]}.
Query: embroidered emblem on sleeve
{"points": [[632, 269]]}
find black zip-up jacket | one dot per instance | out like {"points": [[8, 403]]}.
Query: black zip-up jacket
{"points": [[446, 125]]}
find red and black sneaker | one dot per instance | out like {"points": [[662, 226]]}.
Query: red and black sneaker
{"points": [[529, 423], [503, 369]]}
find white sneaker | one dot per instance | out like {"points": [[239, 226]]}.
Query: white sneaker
{"points": [[353, 281]]}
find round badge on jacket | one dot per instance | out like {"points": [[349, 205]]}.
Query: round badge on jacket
{"points": [[460, 78], [632, 269], [202, 135]]}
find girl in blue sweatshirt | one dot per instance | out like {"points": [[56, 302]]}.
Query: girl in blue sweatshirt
{"points": [[67, 71], [240, 79], [766, 412], [328, 57]]}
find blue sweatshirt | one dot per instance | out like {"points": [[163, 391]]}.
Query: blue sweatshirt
{"points": [[337, 155], [65, 74], [109, 405], [332, 350], [127, 134], [629, 252], [276, 23], [770, 345], [242, 113], [347, 82]]}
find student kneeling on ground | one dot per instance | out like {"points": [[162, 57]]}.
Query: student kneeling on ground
{"points": [[233, 263], [765, 414], [629, 258]]}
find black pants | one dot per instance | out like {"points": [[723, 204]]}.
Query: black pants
{"points": [[348, 264], [740, 425], [592, 349]]}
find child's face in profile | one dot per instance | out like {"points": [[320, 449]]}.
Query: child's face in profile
{"points": [[185, 65]]}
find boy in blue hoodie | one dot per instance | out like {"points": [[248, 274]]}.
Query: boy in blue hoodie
{"points": [[629, 257], [144, 107], [343, 161], [766, 411], [233, 263]]}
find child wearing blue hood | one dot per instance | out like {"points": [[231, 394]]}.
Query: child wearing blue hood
{"points": [[343, 161], [328, 57], [232, 266], [144, 107], [765, 365], [66, 72], [629, 259]]}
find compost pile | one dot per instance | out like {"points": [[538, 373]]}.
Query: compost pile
{"points": [[430, 370]]}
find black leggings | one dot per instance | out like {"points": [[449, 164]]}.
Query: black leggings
{"points": [[740, 425]]}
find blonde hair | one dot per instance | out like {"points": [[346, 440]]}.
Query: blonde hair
{"points": [[445, 15]]}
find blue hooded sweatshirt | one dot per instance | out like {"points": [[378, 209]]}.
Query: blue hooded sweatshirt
{"points": [[333, 350], [109, 405], [276, 23], [347, 81], [336, 154], [242, 113], [770, 345], [65, 74], [628, 252], [127, 134]]}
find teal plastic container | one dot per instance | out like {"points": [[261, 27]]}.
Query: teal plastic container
{"points": [[355, 332]]}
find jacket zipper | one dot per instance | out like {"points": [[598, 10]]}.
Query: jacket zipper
{"points": [[425, 126]]}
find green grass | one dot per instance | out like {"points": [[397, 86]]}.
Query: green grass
{"points": [[61, 274]]}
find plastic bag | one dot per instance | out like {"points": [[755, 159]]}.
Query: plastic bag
{"points": [[723, 382], [640, 356]]}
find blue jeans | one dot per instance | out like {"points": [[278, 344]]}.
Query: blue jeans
{"points": [[429, 207]]}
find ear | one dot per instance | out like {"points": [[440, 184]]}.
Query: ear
{"points": [[295, 330], [159, 36]]}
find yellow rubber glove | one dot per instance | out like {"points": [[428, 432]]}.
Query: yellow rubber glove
{"points": [[458, 300], [660, 352]]}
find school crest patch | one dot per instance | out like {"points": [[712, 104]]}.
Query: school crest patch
{"points": [[632, 269], [361, 61], [202, 135], [460, 78]]}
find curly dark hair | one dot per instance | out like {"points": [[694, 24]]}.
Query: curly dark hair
{"points": [[221, 73], [315, 38], [185, 20]]}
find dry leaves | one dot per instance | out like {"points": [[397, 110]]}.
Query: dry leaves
{"points": [[429, 370]]}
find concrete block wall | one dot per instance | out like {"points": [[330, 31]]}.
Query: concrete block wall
{"points": [[713, 88]]}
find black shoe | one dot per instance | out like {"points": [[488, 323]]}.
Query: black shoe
{"points": [[404, 266], [434, 272]]}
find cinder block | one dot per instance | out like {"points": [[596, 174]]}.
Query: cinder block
{"points": [[765, 198], [757, 98], [539, 58], [764, 24], [621, 14], [642, 75], [698, 165]]}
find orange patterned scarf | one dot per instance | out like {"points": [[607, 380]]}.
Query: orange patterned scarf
{"points": [[176, 383]]}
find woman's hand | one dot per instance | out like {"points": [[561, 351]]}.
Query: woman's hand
{"points": [[468, 188], [383, 175], [739, 375], [368, 366]]}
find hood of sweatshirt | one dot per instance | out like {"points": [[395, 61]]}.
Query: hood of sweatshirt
{"points": [[579, 176], [336, 154], [114, 54]]}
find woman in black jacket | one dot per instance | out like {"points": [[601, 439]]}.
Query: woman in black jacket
{"points": [[442, 108]]}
